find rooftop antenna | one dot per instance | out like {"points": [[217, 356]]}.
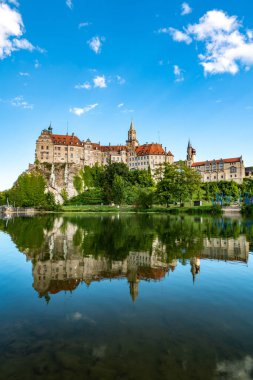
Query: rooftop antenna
{"points": [[67, 128]]}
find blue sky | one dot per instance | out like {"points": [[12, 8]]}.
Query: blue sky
{"points": [[180, 70]]}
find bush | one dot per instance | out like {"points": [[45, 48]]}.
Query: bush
{"points": [[247, 210], [89, 197], [144, 199]]}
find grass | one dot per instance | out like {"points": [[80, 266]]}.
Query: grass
{"points": [[188, 209]]}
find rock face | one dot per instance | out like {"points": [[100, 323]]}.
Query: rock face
{"points": [[59, 178]]}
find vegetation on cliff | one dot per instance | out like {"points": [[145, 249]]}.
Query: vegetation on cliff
{"points": [[29, 191]]}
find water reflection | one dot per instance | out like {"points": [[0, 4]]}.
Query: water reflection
{"points": [[66, 251], [190, 279]]}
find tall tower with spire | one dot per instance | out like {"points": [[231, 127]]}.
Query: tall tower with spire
{"points": [[132, 138], [191, 153]]}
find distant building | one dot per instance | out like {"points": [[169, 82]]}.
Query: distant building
{"points": [[223, 169]]}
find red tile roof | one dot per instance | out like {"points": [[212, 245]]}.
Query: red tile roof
{"points": [[113, 148], [225, 160], [170, 154], [148, 149], [65, 140]]}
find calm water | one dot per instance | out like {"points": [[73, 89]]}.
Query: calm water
{"points": [[126, 297]]}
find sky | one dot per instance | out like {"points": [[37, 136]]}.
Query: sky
{"points": [[179, 70]]}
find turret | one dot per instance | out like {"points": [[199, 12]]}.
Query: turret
{"points": [[191, 153]]}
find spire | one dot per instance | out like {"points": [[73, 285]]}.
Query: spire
{"points": [[189, 144], [132, 126], [50, 129]]}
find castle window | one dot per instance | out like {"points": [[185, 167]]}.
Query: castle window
{"points": [[42, 147], [221, 165], [233, 169]]}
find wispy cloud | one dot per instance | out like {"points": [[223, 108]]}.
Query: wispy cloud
{"points": [[19, 101], [78, 111], [14, 2], [11, 32], [120, 80], [86, 86], [186, 9], [176, 35], [69, 4], [22, 74], [95, 44], [84, 24], [226, 47], [120, 105], [178, 73], [100, 81]]}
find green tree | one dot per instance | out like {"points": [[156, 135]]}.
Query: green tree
{"points": [[145, 198], [118, 190], [179, 183], [29, 191]]}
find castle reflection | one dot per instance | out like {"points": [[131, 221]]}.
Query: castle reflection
{"points": [[66, 251], [67, 268]]}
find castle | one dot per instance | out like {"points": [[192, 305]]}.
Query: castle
{"points": [[65, 149], [69, 149]]}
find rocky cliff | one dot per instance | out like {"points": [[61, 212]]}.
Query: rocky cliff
{"points": [[59, 178]]}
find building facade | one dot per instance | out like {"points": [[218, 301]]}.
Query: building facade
{"points": [[69, 149], [223, 169]]}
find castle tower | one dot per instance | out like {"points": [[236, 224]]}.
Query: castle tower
{"points": [[132, 138], [195, 267], [191, 153]]}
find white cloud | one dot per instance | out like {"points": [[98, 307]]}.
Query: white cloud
{"points": [[226, 48], [120, 105], [69, 4], [176, 35], [84, 24], [120, 80], [19, 101], [186, 9], [22, 74], [80, 111], [86, 86], [95, 44], [100, 81], [179, 77], [11, 32]]}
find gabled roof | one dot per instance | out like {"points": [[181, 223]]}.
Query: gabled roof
{"points": [[225, 160], [170, 154], [148, 149], [65, 140]]}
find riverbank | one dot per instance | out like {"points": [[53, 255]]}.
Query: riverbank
{"points": [[155, 209]]}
